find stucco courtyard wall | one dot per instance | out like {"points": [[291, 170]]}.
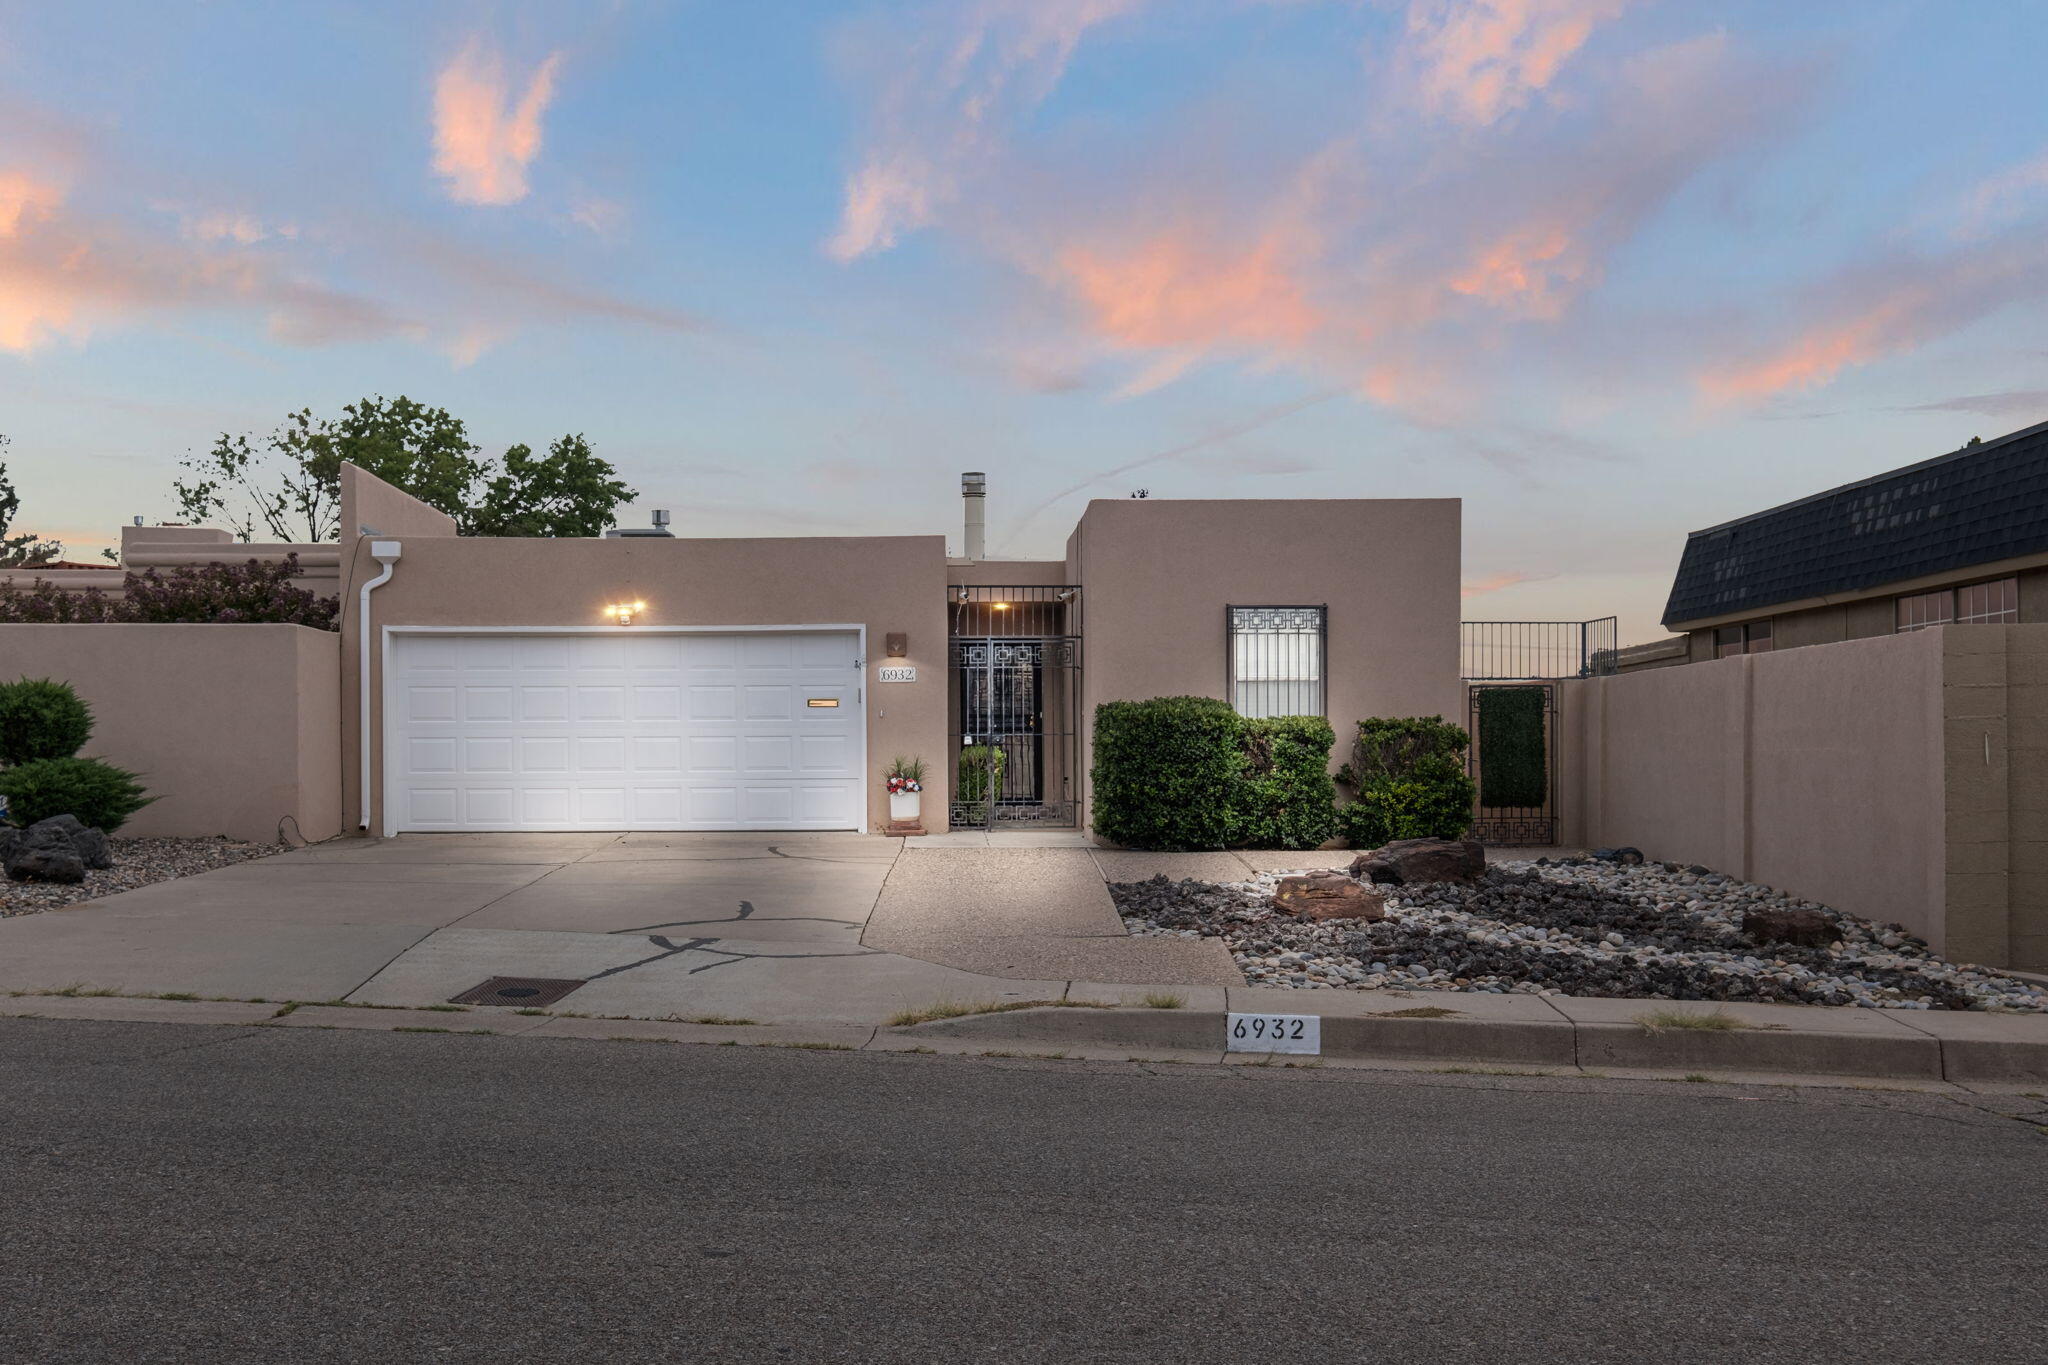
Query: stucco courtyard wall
{"points": [[1898, 777], [887, 583], [1158, 576], [234, 728]]}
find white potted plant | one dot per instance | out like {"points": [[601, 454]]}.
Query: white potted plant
{"points": [[905, 783]]}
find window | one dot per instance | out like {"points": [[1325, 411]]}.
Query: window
{"points": [[1993, 603], [1276, 660], [1753, 638]]}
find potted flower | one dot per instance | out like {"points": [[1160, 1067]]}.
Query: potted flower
{"points": [[905, 781]]}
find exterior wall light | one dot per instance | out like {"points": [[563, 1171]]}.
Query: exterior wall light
{"points": [[1000, 606], [622, 612]]}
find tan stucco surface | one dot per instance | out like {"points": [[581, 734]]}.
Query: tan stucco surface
{"points": [[1158, 574], [887, 583], [235, 727], [1838, 772]]}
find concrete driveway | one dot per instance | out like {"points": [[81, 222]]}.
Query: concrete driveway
{"points": [[757, 926]]}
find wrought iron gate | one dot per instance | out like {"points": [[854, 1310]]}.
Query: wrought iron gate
{"points": [[1015, 711], [1516, 723]]}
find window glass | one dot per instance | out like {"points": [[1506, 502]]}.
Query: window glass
{"points": [[1926, 609], [1759, 637], [1276, 660], [1989, 603], [1728, 642]]}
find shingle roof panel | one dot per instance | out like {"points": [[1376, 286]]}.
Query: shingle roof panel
{"points": [[1976, 505]]}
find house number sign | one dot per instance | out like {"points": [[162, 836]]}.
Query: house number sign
{"points": [[896, 673], [1273, 1033]]}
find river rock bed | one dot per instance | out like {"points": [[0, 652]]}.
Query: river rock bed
{"points": [[1572, 927], [137, 863]]}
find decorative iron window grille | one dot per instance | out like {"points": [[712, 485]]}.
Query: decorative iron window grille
{"points": [[1276, 660]]}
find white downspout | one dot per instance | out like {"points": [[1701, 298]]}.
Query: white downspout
{"points": [[385, 552]]}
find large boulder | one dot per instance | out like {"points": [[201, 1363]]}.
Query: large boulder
{"points": [[93, 849], [1784, 924], [1328, 895], [44, 853], [1406, 862]]}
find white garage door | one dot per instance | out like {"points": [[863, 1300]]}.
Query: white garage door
{"points": [[633, 730]]}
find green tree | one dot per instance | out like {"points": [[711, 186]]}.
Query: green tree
{"points": [[24, 551], [288, 483]]}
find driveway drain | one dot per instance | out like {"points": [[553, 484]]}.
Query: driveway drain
{"points": [[529, 992]]}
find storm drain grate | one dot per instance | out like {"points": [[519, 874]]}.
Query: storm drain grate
{"points": [[528, 991]]}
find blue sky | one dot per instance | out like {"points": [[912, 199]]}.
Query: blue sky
{"points": [[1607, 269]]}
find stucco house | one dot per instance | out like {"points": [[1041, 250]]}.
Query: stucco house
{"points": [[648, 681]]}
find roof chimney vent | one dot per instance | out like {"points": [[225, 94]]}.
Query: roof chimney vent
{"points": [[974, 492], [659, 528]]}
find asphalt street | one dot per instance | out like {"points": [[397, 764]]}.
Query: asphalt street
{"points": [[186, 1193]]}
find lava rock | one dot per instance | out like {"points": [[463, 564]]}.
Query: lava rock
{"points": [[93, 849], [1809, 928], [43, 853], [1328, 895], [1411, 862]]}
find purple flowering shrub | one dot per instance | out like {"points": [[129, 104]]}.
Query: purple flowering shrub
{"points": [[212, 594]]}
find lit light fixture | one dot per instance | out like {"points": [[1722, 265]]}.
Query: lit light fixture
{"points": [[1000, 606], [622, 612]]}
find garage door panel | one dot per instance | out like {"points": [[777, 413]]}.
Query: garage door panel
{"points": [[488, 754], [653, 731], [543, 703], [549, 754]]}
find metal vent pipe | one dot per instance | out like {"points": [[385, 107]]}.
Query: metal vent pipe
{"points": [[974, 492]]}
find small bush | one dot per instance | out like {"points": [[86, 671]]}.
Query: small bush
{"points": [[224, 594], [99, 794], [1408, 781], [980, 779], [40, 718], [253, 593], [1165, 771], [40, 604], [1514, 768], [1284, 797]]}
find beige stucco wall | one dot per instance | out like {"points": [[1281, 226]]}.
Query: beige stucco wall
{"points": [[233, 727], [1157, 574], [1898, 777], [887, 583]]}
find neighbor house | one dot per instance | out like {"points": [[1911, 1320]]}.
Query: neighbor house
{"points": [[1959, 539]]}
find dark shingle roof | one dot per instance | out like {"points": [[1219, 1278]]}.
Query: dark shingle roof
{"points": [[1972, 506]]}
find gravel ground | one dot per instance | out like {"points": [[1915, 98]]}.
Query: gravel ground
{"points": [[1572, 927], [137, 862]]}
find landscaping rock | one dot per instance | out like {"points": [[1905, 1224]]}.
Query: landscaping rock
{"points": [[1411, 862], [70, 824], [1573, 927], [1785, 924], [43, 853], [1328, 895], [93, 849]]}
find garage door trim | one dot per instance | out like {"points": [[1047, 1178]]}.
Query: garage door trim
{"points": [[387, 732]]}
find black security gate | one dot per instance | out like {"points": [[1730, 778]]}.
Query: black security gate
{"points": [[1015, 709], [1513, 760]]}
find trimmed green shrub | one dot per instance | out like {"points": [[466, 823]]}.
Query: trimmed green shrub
{"points": [[1408, 781], [980, 782], [1514, 766], [41, 718], [98, 793], [1284, 797], [1165, 772]]}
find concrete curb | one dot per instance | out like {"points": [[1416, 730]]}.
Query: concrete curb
{"points": [[1966, 1049], [1562, 1044]]}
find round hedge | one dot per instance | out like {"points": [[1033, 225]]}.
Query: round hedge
{"points": [[41, 718]]}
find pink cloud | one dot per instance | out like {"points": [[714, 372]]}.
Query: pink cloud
{"points": [[1479, 60], [1494, 582], [946, 99], [1883, 308], [485, 137]]}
